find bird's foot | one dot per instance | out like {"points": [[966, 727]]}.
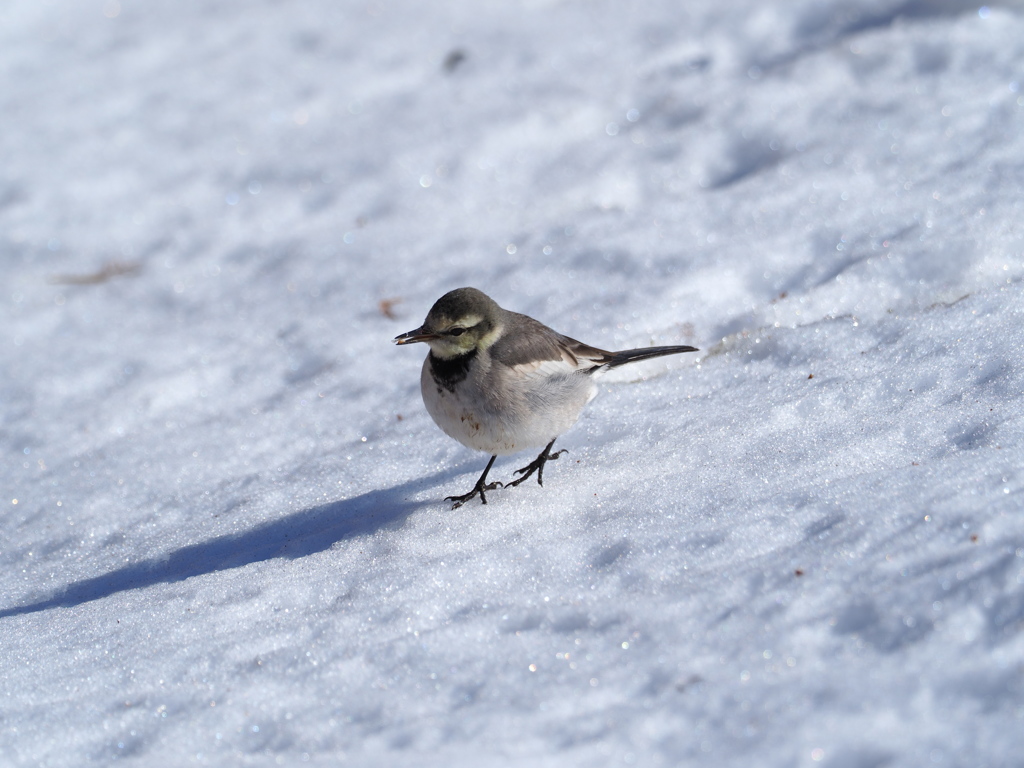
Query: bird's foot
{"points": [[478, 490], [537, 465]]}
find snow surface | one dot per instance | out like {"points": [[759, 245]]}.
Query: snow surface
{"points": [[223, 536]]}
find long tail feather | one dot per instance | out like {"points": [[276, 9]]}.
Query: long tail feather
{"points": [[616, 359]]}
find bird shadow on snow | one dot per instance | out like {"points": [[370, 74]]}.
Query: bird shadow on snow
{"points": [[297, 535]]}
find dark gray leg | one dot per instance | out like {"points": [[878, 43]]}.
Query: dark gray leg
{"points": [[478, 489], [537, 465]]}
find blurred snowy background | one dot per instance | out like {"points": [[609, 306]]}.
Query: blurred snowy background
{"points": [[223, 539]]}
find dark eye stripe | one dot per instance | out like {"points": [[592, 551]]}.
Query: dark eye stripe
{"points": [[456, 331]]}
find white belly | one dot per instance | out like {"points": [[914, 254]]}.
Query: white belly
{"points": [[527, 413]]}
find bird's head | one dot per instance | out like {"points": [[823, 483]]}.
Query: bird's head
{"points": [[460, 322]]}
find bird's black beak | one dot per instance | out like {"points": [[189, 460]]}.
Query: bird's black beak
{"points": [[411, 337]]}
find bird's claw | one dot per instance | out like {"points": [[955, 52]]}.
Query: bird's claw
{"points": [[530, 467], [478, 490], [537, 465]]}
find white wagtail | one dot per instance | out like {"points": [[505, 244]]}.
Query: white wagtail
{"points": [[501, 382]]}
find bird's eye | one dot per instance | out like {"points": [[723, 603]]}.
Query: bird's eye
{"points": [[456, 331]]}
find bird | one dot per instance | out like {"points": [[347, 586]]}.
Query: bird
{"points": [[501, 382]]}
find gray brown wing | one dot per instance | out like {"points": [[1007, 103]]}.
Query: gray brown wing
{"points": [[527, 342], [530, 346]]}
